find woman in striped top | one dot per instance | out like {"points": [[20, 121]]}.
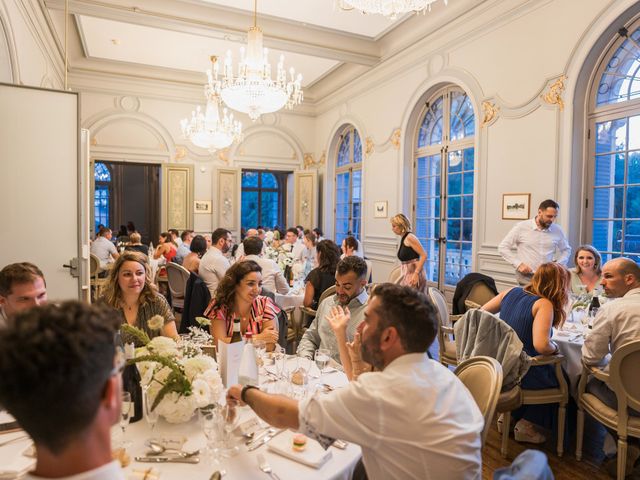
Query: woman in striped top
{"points": [[238, 296]]}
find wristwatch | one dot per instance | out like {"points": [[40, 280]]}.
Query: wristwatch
{"points": [[244, 391]]}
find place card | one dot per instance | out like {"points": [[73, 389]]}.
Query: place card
{"points": [[229, 355]]}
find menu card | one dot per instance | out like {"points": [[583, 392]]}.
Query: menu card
{"points": [[229, 355]]}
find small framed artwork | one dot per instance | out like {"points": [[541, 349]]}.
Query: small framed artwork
{"points": [[202, 206], [379, 209], [516, 206]]}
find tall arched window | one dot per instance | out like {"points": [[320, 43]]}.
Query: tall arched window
{"points": [[444, 170], [348, 212], [614, 145], [102, 198], [264, 198]]}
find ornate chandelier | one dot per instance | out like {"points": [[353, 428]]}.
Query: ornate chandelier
{"points": [[211, 130], [252, 90], [388, 8]]}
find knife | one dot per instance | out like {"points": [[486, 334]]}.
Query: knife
{"points": [[263, 440], [258, 436], [155, 459]]}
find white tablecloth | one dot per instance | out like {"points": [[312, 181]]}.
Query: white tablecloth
{"points": [[291, 300], [570, 341]]}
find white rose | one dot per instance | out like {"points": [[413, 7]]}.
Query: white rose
{"points": [[165, 346], [175, 408], [201, 393], [198, 364], [214, 382], [156, 322]]}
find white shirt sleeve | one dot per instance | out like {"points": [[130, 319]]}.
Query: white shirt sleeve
{"points": [[596, 344], [507, 246]]}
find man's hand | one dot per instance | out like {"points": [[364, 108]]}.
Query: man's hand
{"points": [[234, 395], [524, 269], [338, 319]]}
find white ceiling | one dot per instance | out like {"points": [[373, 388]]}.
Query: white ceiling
{"points": [[127, 42], [321, 13]]}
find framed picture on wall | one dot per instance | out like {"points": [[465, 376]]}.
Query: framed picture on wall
{"points": [[516, 206], [379, 209], [202, 206]]}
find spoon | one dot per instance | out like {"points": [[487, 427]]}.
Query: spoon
{"points": [[158, 449]]}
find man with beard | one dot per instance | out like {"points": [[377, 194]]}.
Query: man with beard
{"points": [[533, 242], [413, 418], [214, 264], [351, 278]]}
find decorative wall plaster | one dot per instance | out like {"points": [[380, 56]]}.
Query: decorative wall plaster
{"points": [[270, 119], [490, 113], [323, 158], [181, 152], [308, 160], [306, 200], [223, 155], [395, 139], [227, 186], [554, 95], [436, 64], [177, 204], [94, 141], [368, 147], [129, 103]]}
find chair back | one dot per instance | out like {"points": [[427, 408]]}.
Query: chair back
{"points": [[94, 265], [483, 378], [480, 294], [177, 277], [624, 370], [394, 276], [369, 269], [446, 344], [441, 306], [327, 293]]}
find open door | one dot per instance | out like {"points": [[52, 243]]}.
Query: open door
{"points": [[43, 187]]}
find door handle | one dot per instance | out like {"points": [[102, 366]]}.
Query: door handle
{"points": [[73, 267]]}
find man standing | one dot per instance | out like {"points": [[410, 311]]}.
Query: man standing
{"points": [[103, 248], [533, 242], [214, 264], [351, 278], [413, 418], [22, 286], [61, 381], [185, 247], [272, 276]]}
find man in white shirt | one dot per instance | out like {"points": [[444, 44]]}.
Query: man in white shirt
{"points": [[185, 247], [252, 232], [61, 381], [22, 286], [413, 418], [272, 276], [103, 248], [533, 242], [214, 264]]}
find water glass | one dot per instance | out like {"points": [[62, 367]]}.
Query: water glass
{"points": [[322, 357], [126, 409], [230, 423], [212, 427], [261, 348], [151, 416]]}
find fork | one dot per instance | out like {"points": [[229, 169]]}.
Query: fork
{"points": [[265, 467]]}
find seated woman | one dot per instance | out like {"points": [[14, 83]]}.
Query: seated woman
{"points": [[198, 248], [238, 296], [310, 256], [135, 244], [349, 247], [532, 311], [130, 291], [587, 273], [324, 275], [166, 248]]}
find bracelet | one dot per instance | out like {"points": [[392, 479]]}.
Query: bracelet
{"points": [[243, 393]]}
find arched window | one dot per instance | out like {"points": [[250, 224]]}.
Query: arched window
{"points": [[102, 198], [263, 198], [614, 146], [348, 211], [444, 171]]}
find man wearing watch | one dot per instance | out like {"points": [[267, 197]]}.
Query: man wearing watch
{"points": [[412, 417]]}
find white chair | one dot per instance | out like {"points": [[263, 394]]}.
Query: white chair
{"points": [[369, 269], [96, 282], [177, 277], [445, 330], [394, 276]]}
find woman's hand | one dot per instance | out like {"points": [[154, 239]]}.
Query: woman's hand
{"points": [[269, 335], [414, 278], [338, 319]]}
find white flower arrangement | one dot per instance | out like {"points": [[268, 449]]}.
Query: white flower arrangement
{"points": [[156, 322], [179, 378]]}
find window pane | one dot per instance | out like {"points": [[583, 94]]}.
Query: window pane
{"points": [[467, 227], [454, 207], [357, 147], [467, 183], [634, 131], [633, 172], [101, 172], [356, 187], [462, 117], [609, 169], [633, 202], [250, 179], [611, 136], [608, 202], [430, 132], [632, 237], [269, 208], [468, 158], [455, 161], [453, 230], [344, 149], [467, 206], [619, 82], [269, 180], [454, 184], [250, 209]]}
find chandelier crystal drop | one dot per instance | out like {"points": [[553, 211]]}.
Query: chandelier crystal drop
{"points": [[253, 90], [210, 129], [388, 8]]}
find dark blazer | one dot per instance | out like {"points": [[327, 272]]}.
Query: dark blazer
{"points": [[463, 288], [196, 299]]}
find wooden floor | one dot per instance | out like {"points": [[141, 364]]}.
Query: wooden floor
{"points": [[564, 468]]}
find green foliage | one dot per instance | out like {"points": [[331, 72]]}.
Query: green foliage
{"points": [[134, 335], [176, 381]]}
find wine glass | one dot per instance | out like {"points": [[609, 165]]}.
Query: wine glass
{"points": [[211, 421], [230, 423], [261, 348], [322, 357], [150, 415], [125, 414]]}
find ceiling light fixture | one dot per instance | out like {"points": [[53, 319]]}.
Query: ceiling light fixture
{"points": [[253, 91], [210, 129], [388, 8]]}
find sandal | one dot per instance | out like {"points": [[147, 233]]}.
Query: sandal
{"points": [[524, 431]]}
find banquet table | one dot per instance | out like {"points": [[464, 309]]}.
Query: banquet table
{"points": [[244, 465], [570, 340]]}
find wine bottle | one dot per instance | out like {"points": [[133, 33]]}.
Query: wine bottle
{"points": [[131, 384], [248, 372], [594, 305], [236, 337]]}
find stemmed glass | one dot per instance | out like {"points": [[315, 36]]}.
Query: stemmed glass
{"points": [[150, 415], [211, 420], [322, 357], [261, 349], [125, 414], [230, 422]]}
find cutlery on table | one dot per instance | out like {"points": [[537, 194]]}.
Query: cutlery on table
{"points": [[218, 474], [263, 440], [265, 467], [341, 444], [259, 436], [154, 459]]}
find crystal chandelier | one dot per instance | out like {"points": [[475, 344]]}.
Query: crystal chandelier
{"points": [[388, 8], [252, 90], [211, 130]]}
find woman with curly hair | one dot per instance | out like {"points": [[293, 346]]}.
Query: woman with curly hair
{"points": [[532, 311], [238, 297], [130, 291]]}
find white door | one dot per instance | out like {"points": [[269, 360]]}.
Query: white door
{"points": [[43, 192]]}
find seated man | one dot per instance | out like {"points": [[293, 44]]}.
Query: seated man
{"points": [[413, 418], [351, 274], [61, 381], [103, 248], [272, 276], [22, 286]]}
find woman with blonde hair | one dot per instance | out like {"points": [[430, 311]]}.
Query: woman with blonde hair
{"points": [[532, 311], [130, 291], [587, 273], [411, 254]]}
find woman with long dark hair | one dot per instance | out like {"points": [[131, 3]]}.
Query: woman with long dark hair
{"points": [[324, 275]]}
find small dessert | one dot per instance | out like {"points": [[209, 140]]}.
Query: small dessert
{"points": [[299, 377], [299, 442], [122, 456]]}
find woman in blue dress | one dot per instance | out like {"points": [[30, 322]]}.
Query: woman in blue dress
{"points": [[532, 311]]}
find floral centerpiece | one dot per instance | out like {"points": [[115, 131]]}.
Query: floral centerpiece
{"points": [[177, 376], [282, 257]]}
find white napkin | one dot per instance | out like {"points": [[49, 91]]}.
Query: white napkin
{"points": [[19, 464], [314, 455]]}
